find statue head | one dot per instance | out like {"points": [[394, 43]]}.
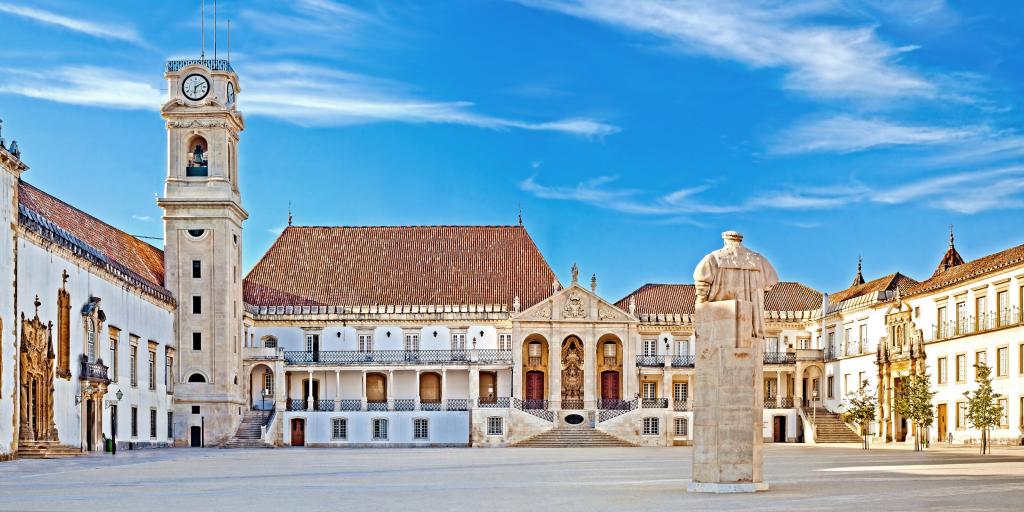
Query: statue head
{"points": [[732, 238]]}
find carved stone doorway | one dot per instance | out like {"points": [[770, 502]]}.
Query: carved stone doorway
{"points": [[572, 373], [37, 369]]}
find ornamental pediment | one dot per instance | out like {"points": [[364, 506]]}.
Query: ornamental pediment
{"points": [[574, 304]]}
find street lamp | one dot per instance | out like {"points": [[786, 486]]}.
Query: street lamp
{"points": [[113, 421], [265, 393], [814, 406]]}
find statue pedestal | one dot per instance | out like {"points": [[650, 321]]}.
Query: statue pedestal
{"points": [[728, 405]]}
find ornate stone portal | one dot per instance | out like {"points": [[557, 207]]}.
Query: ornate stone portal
{"points": [[572, 373], [37, 371], [900, 355], [727, 434]]}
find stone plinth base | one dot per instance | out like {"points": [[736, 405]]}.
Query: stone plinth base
{"points": [[726, 488]]}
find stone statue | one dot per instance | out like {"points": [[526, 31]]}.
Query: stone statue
{"points": [[575, 273], [735, 273]]}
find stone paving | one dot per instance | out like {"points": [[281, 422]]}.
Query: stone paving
{"points": [[418, 480]]}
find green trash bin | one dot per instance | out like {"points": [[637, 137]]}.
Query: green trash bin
{"points": [[108, 445]]}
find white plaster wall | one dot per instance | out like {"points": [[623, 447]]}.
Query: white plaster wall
{"points": [[487, 340], [288, 338], [405, 385], [8, 316], [442, 341], [39, 272], [388, 338], [445, 428], [457, 384]]}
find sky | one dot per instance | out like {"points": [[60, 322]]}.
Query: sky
{"points": [[629, 134]]}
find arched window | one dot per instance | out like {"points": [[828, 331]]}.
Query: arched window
{"points": [[196, 377], [269, 342], [268, 382], [198, 165]]}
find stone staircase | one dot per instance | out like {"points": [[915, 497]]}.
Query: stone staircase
{"points": [[249, 433], [46, 450], [829, 428], [572, 438]]}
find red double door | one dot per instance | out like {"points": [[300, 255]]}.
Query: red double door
{"points": [[610, 385]]}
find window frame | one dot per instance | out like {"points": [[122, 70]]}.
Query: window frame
{"points": [[135, 421], [643, 390], [943, 372], [339, 429], [379, 426], [651, 426], [685, 422], [961, 370], [1003, 361], [421, 433], [152, 422], [505, 341], [649, 348], [197, 341], [495, 426], [197, 269]]}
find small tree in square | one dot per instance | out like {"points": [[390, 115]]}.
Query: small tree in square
{"points": [[861, 408], [983, 410], [914, 402]]}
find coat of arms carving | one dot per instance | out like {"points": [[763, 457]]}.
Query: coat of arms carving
{"points": [[574, 307]]}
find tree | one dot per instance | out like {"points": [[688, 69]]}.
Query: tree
{"points": [[860, 410], [983, 410], [914, 402]]}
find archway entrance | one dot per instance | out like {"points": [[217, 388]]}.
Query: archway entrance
{"points": [[610, 391], [430, 388], [534, 388], [572, 373], [37, 363], [261, 381], [376, 387], [535, 367], [488, 387], [609, 367]]}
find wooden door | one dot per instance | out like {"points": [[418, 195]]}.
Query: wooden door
{"points": [[90, 424], [488, 387], [196, 437], [298, 432], [535, 385], [610, 385], [942, 423], [779, 429]]}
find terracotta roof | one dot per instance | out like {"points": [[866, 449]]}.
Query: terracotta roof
{"points": [[400, 265], [679, 299], [132, 257], [1011, 257], [886, 283]]}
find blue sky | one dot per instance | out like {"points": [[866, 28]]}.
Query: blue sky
{"points": [[631, 134]]}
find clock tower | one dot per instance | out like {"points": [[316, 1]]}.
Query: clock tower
{"points": [[203, 218]]}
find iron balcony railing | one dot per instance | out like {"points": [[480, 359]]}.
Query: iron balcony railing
{"points": [[325, 405], [780, 358], [93, 371], [654, 403], [613, 405], [430, 405], [572, 405], [377, 405], [458, 404], [686, 361], [787, 402], [493, 403], [650, 360], [296, 404], [1006, 317], [681, 405], [396, 357], [538, 408], [607, 414], [211, 64], [350, 405], [533, 404]]}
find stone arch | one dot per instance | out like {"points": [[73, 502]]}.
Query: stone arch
{"points": [[430, 388], [197, 376], [609, 357], [261, 377], [572, 367], [535, 364]]}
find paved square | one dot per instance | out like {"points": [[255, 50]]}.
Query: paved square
{"points": [[651, 479]]}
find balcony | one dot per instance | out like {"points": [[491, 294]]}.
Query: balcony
{"points": [[687, 361], [681, 406], [493, 403], [780, 402], [779, 358], [93, 371], [986, 322], [397, 357], [650, 361], [654, 403], [211, 64]]}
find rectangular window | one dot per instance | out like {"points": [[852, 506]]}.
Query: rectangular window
{"points": [[133, 363], [197, 305], [380, 429], [152, 423], [961, 415], [682, 426], [458, 342], [942, 318], [168, 372], [420, 429], [505, 341], [195, 409], [650, 348], [680, 391], [495, 426], [152, 369], [197, 341], [339, 429], [1020, 356], [683, 347], [365, 343], [961, 317], [91, 342], [860, 380], [1002, 361], [197, 269], [650, 390], [1004, 421], [268, 383], [113, 358], [980, 358], [803, 343], [862, 343], [312, 343], [652, 426], [170, 426], [851, 347], [831, 385], [135, 421], [1003, 308], [961, 367], [412, 342], [846, 384], [942, 370], [981, 313]]}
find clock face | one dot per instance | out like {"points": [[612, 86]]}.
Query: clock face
{"points": [[231, 93], [195, 87]]}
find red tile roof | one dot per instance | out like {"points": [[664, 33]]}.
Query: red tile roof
{"points": [[141, 260], [679, 299], [886, 283], [999, 261], [400, 265]]}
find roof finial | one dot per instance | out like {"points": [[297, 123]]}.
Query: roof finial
{"points": [[289, 213], [202, 28], [1, 133], [520, 214], [950, 236], [859, 279], [593, 283], [575, 273]]}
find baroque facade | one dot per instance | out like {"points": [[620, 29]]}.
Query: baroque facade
{"points": [[425, 335]]}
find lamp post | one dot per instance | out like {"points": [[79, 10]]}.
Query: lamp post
{"points": [[265, 393], [113, 423], [814, 407]]}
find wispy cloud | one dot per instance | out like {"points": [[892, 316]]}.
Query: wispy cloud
{"points": [[102, 30], [82, 85], [967, 192], [848, 134], [818, 58], [142, 218]]}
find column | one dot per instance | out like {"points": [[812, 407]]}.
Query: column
{"points": [[778, 388], [554, 371], [667, 391], [474, 385], [391, 390], [589, 371], [362, 392], [337, 390], [798, 389], [309, 392], [444, 387], [417, 406]]}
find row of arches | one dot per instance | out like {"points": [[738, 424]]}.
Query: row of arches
{"points": [[537, 370]]}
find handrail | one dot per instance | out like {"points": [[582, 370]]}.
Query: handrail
{"points": [[411, 357]]}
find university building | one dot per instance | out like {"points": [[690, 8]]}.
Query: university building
{"points": [[425, 335]]}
